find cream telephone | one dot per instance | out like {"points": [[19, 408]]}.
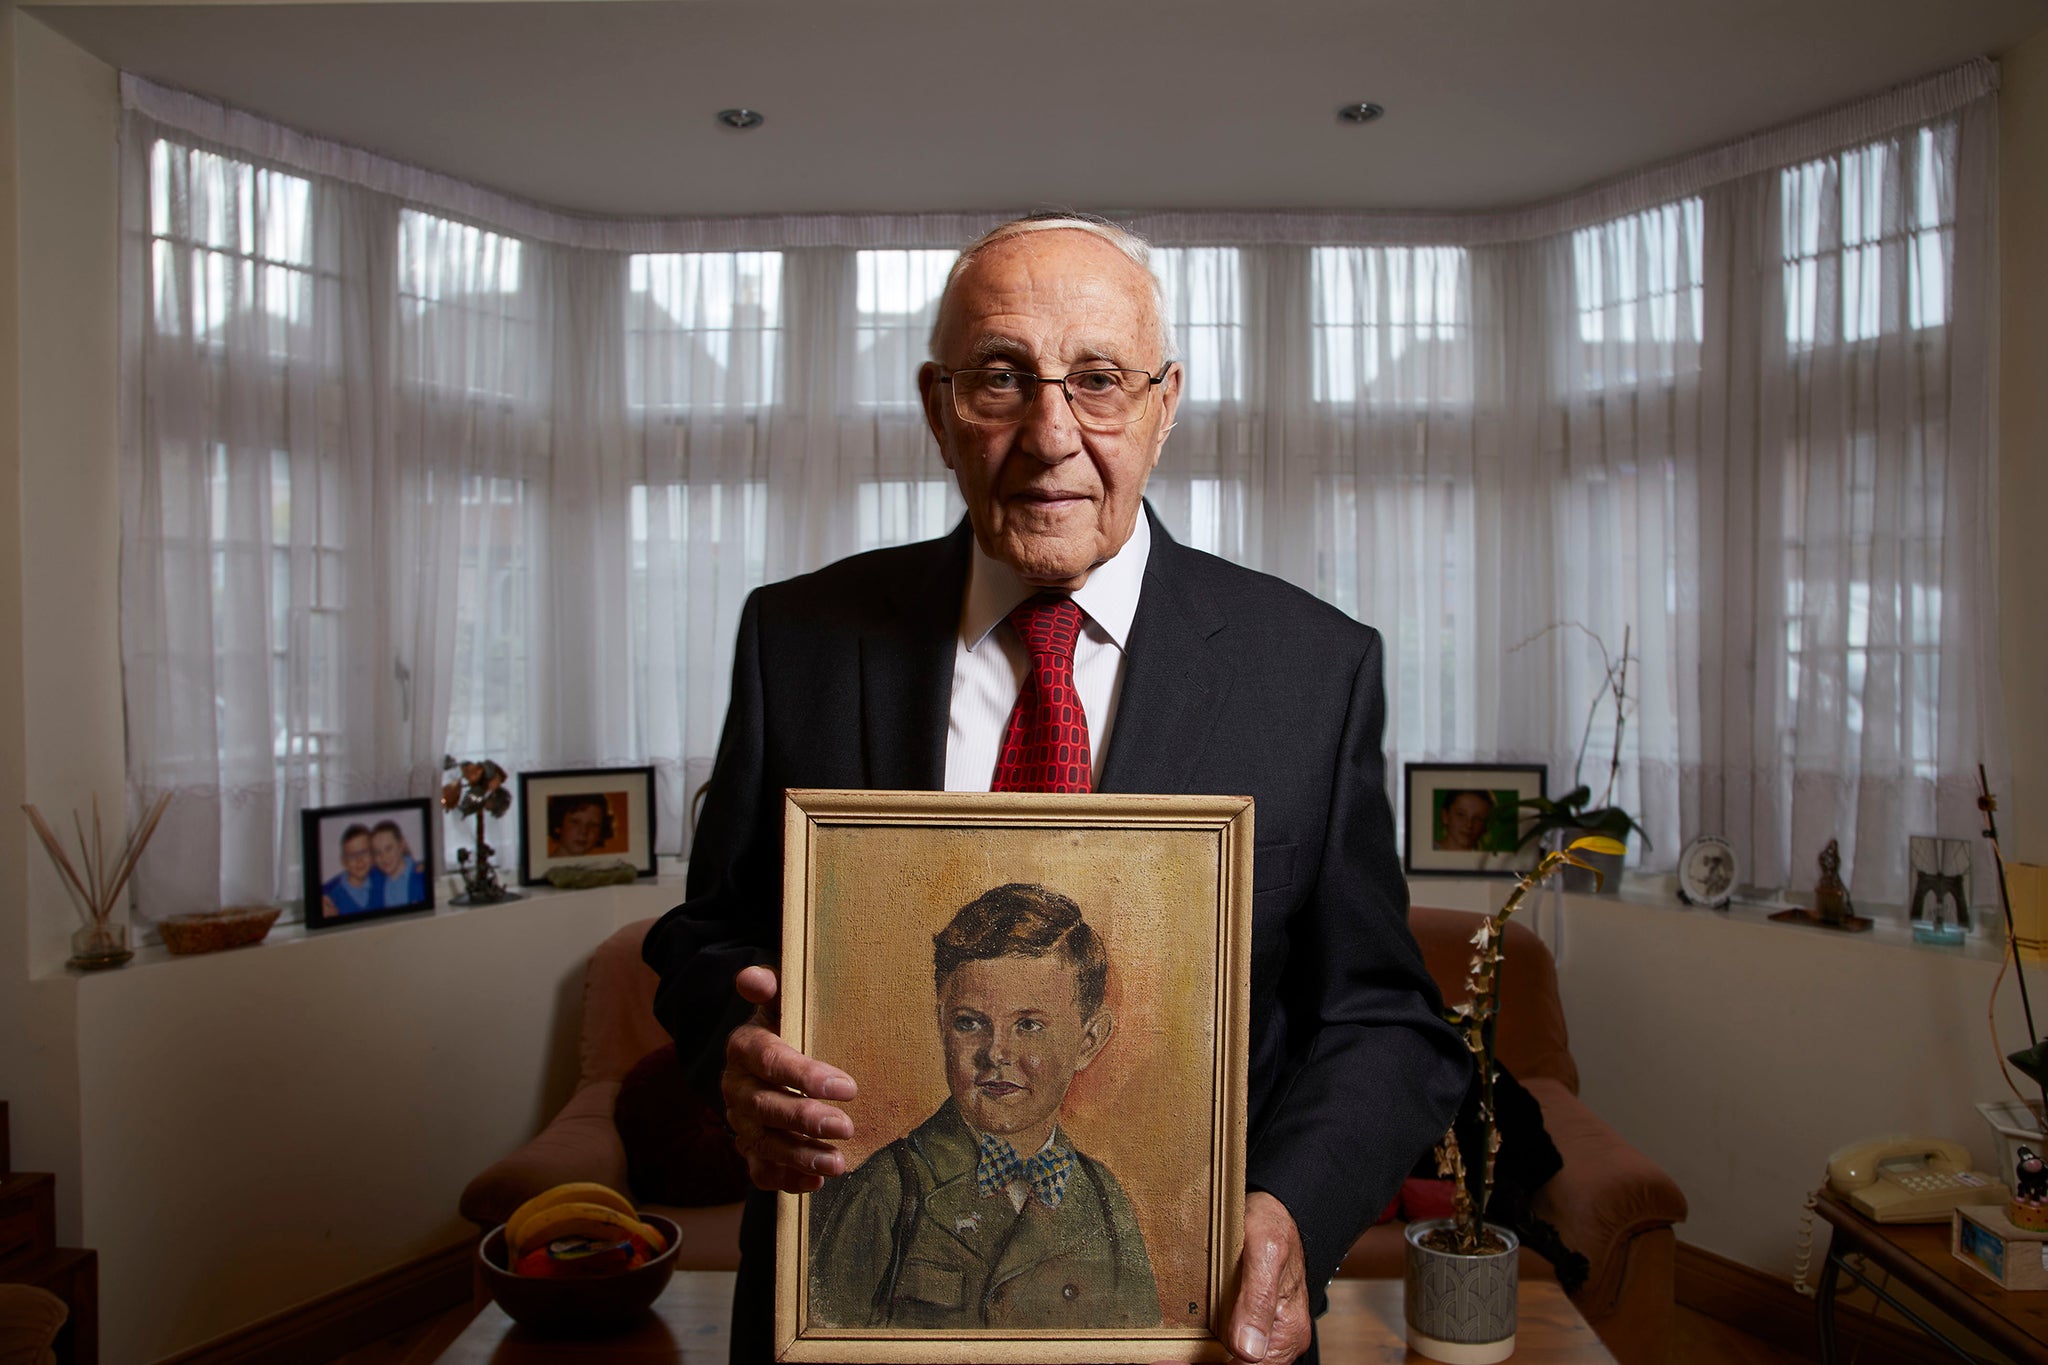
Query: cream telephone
{"points": [[1901, 1179]]}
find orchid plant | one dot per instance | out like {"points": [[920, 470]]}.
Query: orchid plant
{"points": [[1475, 1021]]}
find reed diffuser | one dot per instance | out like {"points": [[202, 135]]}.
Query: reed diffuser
{"points": [[99, 942]]}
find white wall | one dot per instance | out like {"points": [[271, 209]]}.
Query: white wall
{"points": [[266, 1125], [236, 1134]]}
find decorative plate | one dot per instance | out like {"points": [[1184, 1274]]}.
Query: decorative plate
{"points": [[1706, 872]]}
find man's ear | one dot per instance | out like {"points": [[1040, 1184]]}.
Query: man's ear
{"points": [[1169, 405], [1094, 1033], [934, 395]]}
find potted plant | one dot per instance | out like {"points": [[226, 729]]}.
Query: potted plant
{"points": [[1574, 812], [1461, 1280]]}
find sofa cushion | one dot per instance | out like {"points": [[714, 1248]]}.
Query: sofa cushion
{"points": [[678, 1150]]}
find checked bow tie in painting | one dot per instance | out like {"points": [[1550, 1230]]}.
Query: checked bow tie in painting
{"points": [[1045, 744], [1046, 1172]]}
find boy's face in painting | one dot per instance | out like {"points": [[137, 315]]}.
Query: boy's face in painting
{"points": [[1014, 1040]]}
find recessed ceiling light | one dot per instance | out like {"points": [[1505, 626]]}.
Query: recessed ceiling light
{"points": [[1365, 111], [740, 120]]}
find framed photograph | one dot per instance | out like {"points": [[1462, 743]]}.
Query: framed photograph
{"points": [[1044, 1001], [1463, 819], [1707, 870], [366, 861], [1941, 879], [585, 815]]}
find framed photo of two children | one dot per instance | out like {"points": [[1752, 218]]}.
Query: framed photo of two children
{"points": [[1043, 1001]]}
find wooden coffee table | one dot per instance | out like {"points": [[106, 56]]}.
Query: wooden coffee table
{"points": [[1363, 1327]]}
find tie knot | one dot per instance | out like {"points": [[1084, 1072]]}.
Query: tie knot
{"points": [[1049, 623]]}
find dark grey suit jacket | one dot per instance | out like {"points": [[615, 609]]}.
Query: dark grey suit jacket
{"points": [[1235, 683]]}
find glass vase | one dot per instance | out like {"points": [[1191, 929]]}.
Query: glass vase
{"points": [[100, 945]]}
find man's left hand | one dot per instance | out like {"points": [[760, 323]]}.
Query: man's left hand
{"points": [[1269, 1323]]}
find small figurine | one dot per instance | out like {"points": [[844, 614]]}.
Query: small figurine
{"points": [[2029, 1205], [477, 790], [1830, 897]]}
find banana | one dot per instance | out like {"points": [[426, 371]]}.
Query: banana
{"points": [[583, 1220], [575, 1192]]}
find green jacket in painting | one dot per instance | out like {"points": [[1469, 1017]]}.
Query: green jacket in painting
{"points": [[937, 1255]]}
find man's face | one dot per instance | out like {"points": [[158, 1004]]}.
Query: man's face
{"points": [[1046, 496], [582, 830], [355, 857], [1014, 1040], [389, 851], [1465, 820]]}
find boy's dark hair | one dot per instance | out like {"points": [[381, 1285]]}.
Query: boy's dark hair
{"points": [[1024, 919], [560, 808], [355, 831]]}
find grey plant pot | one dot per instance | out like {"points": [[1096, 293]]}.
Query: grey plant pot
{"points": [[1460, 1309], [1582, 881]]}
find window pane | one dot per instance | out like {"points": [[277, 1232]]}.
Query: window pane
{"points": [[896, 297], [704, 329], [466, 322], [1391, 324], [1205, 309]]}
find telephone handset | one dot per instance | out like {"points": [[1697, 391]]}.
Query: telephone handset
{"points": [[1902, 1179]]}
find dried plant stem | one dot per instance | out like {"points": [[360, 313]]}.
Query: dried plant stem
{"points": [[97, 892]]}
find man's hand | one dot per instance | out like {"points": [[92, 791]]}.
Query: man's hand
{"points": [[774, 1099], [1269, 1323]]}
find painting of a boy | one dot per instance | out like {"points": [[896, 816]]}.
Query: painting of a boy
{"points": [[987, 1215]]}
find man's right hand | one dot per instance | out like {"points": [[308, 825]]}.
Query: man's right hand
{"points": [[774, 1098]]}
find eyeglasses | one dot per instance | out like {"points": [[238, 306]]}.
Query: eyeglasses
{"points": [[1102, 399]]}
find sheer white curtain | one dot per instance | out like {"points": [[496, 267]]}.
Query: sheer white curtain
{"points": [[413, 468]]}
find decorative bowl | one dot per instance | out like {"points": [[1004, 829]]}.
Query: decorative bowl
{"points": [[606, 1303], [230, 928]]}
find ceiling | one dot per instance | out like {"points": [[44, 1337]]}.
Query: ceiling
{"points": [[608, 107]]}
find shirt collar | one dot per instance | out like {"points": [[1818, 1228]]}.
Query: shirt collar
{"points": [[1109, 598]]}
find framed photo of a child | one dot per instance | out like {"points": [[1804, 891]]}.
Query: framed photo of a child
{"points": [[1043, 1000], [584, 817], [1467, 818]]}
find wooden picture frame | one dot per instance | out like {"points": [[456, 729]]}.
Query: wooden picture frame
{"points": [[902, 916], [585, 815], [336, 841], [1434, 846]]}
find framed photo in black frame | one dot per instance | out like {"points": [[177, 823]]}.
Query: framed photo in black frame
{"points": [[368, 860], [585, 815], [1463, 819]]}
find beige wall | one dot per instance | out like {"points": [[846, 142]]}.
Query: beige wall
{"points": [[2023, 436], [241, 1133]]}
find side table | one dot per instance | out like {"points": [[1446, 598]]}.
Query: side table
{"points": [[1918, 1256]]}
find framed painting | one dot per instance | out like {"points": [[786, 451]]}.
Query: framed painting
{"points": [[585, 816], [366, 861], [1463, 819], [1043, 1001]]}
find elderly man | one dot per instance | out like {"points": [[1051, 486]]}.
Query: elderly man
{"points": [[1060, 640]]}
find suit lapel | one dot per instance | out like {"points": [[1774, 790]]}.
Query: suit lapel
{"points": [[1174, 685], [906, 670]]}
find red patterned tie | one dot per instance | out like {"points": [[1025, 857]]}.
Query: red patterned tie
{"points": [[1045, 745]]}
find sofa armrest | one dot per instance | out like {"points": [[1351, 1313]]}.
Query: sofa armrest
{"points": [[1607, 1193], [581, 1143]]}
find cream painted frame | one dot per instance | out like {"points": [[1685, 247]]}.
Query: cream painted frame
{"points": [[1141, 826]]}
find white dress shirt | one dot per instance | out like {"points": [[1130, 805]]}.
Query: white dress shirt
{"points": [[990, 663]]}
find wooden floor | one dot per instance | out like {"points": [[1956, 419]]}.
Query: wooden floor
{"points": [[1696, 1340]]}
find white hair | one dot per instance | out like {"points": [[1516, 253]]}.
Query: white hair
{"points": [[1135, 248]]}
